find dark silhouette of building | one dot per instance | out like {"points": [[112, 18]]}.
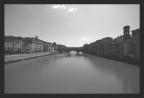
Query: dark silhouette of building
{"points": [[126, 32]]}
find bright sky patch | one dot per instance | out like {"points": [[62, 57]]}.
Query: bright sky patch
{"points": [[62, 6], [59, 6], [72, 9], [84, 38]]}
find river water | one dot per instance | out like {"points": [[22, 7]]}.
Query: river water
{"points": [[71, 73]]}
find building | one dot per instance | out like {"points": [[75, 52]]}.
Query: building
{"points": [[50, 48], [18, 45], [124, 46], [61, 46], [130, 47], [33, 44], [110, 49], [119, 39], [92, 48], [85, 48], [115, 49], [116, 46], [28, 44], [14, 45], [45, 46], [104, 45], [126, 32], [8, 44], [37, 45], [54, 46], [136, 39], [106, 41]]}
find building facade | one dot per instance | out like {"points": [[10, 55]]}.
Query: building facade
{"points": [[37, 44], [8, 44], [47, 46], [50, 48], [28, 44], [54, 46], [136, 39], [126, 32], [13, 45], [18, 45], [125, 47], [33, 44], [125, 44]]}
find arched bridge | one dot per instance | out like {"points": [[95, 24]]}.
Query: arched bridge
{"points": [[68, 49]]}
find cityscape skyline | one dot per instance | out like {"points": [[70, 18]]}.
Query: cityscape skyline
{"points": [[70, 25]]}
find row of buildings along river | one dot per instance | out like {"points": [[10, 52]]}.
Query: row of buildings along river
{"points": [[18, 45], [124, 47]]}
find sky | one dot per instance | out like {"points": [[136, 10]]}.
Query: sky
{"points": [[72, 25]]}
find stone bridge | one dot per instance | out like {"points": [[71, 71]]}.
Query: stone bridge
{"points": [[68, 49]]}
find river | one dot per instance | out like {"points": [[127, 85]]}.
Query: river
{"points": [[71, 73]]}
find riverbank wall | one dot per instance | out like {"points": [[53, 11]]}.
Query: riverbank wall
{"points": [[19, 57]]}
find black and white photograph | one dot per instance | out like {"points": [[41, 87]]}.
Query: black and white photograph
{"points": [[71, 48]]}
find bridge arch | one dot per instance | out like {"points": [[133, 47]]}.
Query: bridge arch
{"points": [[68, 49]]}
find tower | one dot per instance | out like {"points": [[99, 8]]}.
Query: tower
{"points": [[126, 32], [36, 37]]}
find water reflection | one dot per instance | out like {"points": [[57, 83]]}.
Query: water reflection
{"points": [[128, 74], [71, 73]]}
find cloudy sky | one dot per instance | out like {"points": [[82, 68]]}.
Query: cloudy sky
{"points": [[71, 25]]}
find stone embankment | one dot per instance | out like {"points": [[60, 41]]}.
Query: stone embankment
{"points": [[18, 57]]}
